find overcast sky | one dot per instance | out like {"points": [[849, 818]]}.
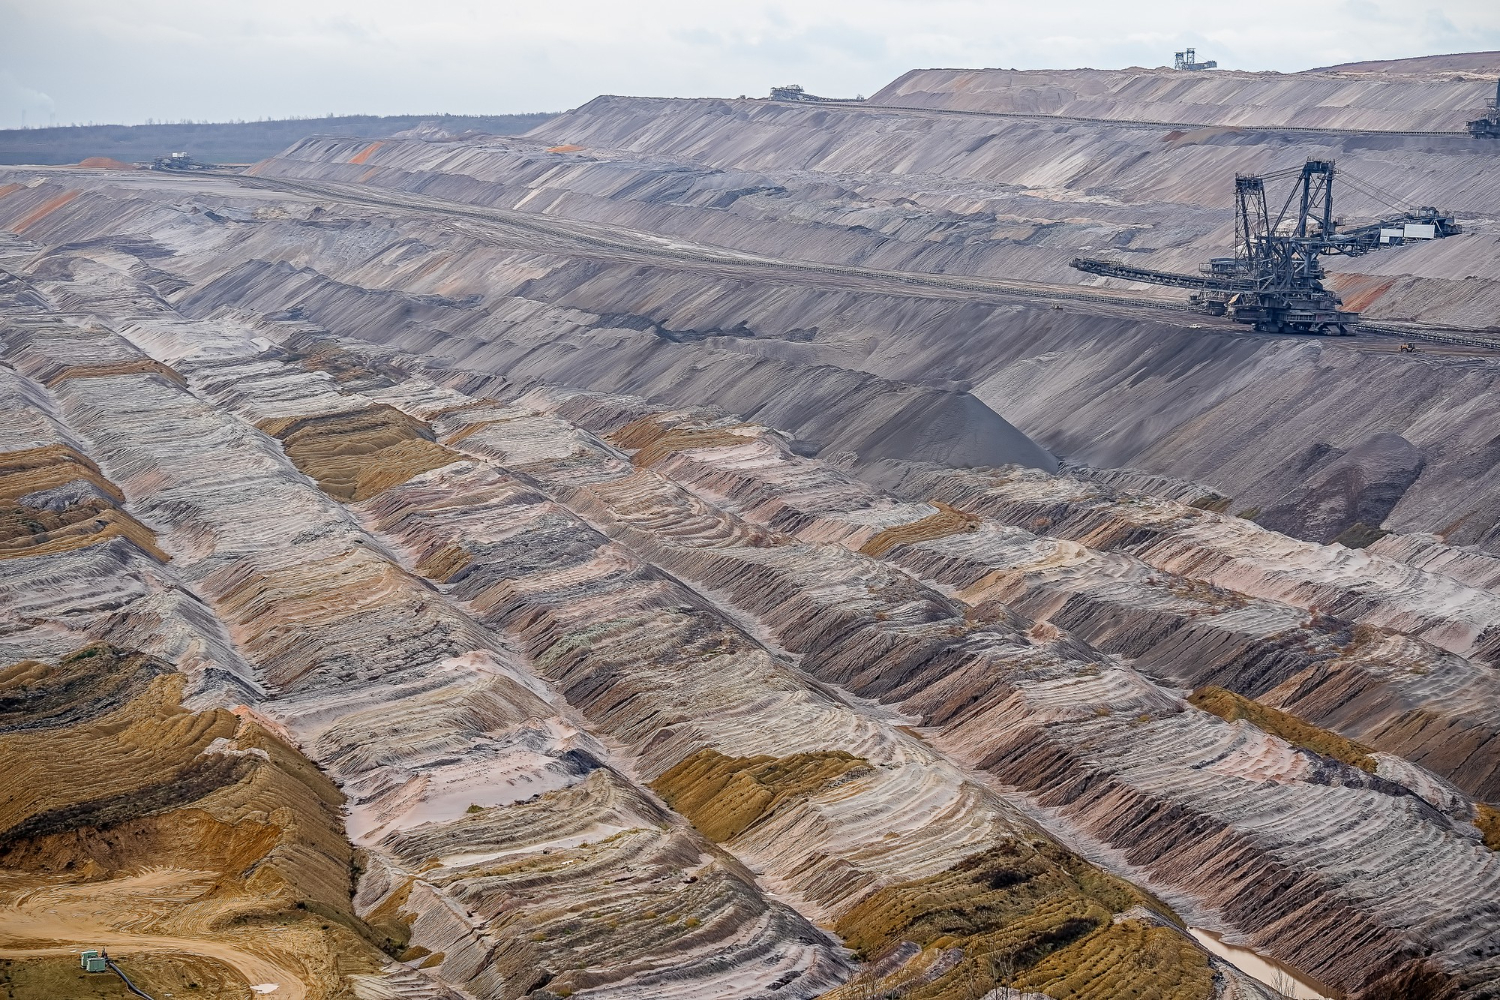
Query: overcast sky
{"points": [[130, 60]]}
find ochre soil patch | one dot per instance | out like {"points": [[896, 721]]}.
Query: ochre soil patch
{"points": [[1026, 914], [947, 521], [27, 530], [43, 210], [34, 469], [364, 155], [723, 796], [1360, 291], [1230, 706], [129, 821], [653, 440], [444, 564], [355, 455], [138, 366], [1488, 821], [31, 531]]}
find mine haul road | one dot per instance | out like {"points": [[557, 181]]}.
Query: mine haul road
{"points": [[507, 227], [36, 922], [1036, 116], [255, 970]]}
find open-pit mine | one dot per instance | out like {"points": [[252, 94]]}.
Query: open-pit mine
{"points": [[722, 549]]}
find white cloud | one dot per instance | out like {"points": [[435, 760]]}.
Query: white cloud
{"points": [[32, 106], [127, 60]]}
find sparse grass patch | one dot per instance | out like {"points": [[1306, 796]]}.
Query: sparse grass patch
{"points": [[1130, 958], [1230, 706], [947, 521], [1488, 821], [1359, 535], [1035, 916], [723, 796]]}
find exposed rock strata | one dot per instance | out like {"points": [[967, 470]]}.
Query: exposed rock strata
{"points": [[630, 697], [202, 831]]}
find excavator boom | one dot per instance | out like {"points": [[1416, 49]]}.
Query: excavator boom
{"points": [[1201, 282]]}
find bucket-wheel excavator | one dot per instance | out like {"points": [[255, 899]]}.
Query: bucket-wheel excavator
{"points": [[1274, 280]]}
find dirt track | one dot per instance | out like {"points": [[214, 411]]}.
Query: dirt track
{"points": [[35, 921]]}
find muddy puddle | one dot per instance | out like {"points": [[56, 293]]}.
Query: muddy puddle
{"points": [[1266, 970]]}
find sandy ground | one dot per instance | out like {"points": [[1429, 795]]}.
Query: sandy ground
{"points": [[61, 919]]}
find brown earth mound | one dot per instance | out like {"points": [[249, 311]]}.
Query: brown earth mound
{"points": [[947, 521], [354, 456], [1456, 62], [653, 439], [105, 163]]}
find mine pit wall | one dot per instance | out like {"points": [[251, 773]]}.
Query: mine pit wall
{"points": [[1161, 840], [1316, 670], [907, 650], [1315, 100], [761, 585], [837, 410], [1195, 398], [302, 643], [1056, 373], [1163, 195], [546, 625], [1369, 683], [1066, 410], [760, 593]]}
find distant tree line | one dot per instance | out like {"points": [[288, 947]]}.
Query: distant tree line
{"points": [[226, 142]]}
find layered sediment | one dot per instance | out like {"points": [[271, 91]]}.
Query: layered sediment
{"points": [[633, 561]]}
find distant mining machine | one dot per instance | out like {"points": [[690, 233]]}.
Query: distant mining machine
{"points": [[1187, 59], [1488, 127], [794, 93], [179, 162], [1274, 281]]}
